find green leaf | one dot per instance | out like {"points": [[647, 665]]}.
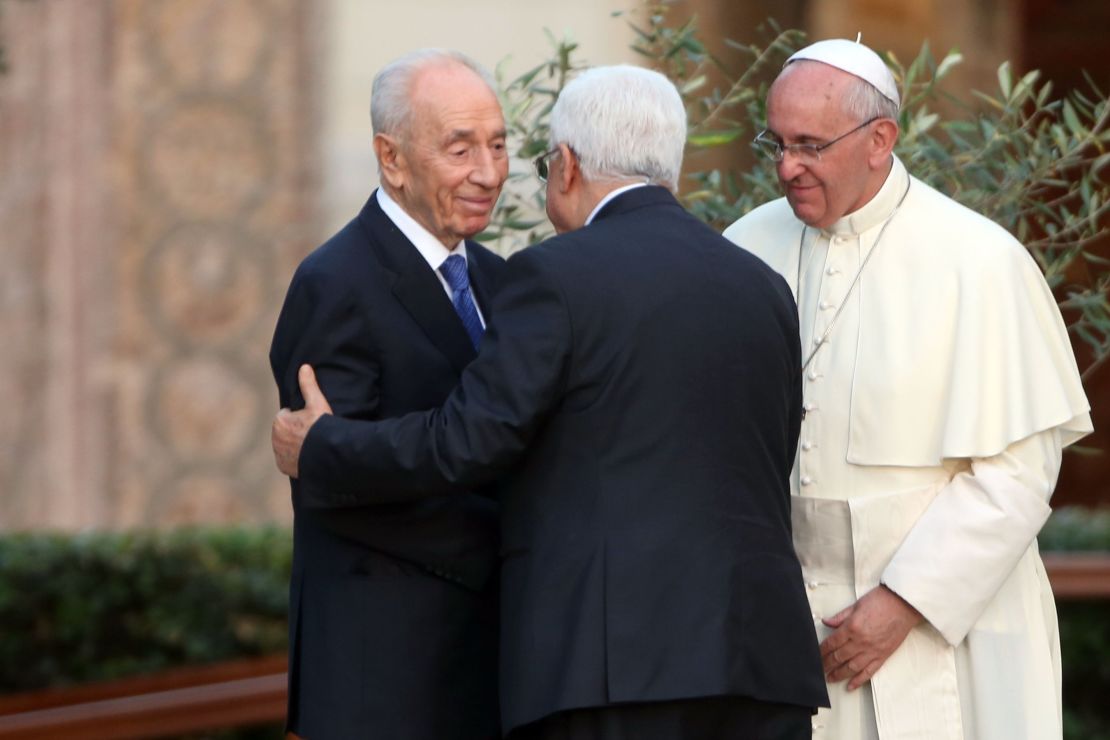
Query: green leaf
{"points": [[526, 79], [993, 102], [1099, 163], [714, 138], [1072, 120], [693, 84], [1004, 80], [522, 225], [946, 65], [1025, 85]]}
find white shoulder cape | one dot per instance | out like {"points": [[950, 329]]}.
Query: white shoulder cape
{"points": [[962, 350]]}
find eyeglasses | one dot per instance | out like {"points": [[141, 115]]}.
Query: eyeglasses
{"points": [[541, 164], [776, 150]]}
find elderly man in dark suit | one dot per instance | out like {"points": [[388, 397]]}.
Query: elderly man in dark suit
{"points": [[638, 396], [393, 606]]}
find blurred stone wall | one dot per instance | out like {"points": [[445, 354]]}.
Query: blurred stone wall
{"points": [[157, 192], [985, 31]]}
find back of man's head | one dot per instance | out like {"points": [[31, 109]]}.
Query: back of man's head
{"points": [[623, 123]]}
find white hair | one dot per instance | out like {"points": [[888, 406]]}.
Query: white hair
{"points": [[863, 100], [390, 98], [623, 123]]}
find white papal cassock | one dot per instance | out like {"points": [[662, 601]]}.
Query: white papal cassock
{"points": [[937, 404]]}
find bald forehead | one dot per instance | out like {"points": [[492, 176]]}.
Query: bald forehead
{"points": [[807, 102], [442, 76], [450, 101], [806, 77]]}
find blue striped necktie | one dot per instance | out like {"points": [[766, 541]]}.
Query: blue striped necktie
{"points": [[454, 270]]}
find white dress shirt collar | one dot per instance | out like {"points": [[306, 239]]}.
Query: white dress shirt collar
{"points": [[430, 248]]}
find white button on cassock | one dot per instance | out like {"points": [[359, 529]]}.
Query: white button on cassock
{"points": [[806, 480]]}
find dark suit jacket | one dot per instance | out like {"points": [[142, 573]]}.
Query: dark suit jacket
{"points": [[393, 607], [639, 392]]}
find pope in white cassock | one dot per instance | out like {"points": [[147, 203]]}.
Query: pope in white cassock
{"points": [[939, 391]]}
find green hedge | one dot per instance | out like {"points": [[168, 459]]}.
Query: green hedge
{"points": [[1084, 634], [1085, 648], [89, 607], [1076, 529]]}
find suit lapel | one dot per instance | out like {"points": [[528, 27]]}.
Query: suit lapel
{"points": [[417, 288]]}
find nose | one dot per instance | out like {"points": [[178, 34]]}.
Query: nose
{"points": [[790, 167], [490, 170]]}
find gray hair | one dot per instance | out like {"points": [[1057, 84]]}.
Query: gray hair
{"points": [[622, 122], [863, 101], [390, 101]]}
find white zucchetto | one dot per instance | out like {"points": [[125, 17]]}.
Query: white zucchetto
{"points": [[855, 59]]}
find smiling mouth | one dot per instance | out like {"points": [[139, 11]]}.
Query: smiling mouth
{"points": [[478, 204]]}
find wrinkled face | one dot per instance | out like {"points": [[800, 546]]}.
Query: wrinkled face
{"points": [[805, 107], [453, 159]]}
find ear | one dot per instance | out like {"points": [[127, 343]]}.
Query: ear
{"points": [[569, 172], [883, 138], [391, 160]]}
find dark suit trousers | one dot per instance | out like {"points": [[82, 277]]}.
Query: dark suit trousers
{"points": [[714, 718]]}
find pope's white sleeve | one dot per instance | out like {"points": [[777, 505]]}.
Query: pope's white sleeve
{"points": [[970, 538]]}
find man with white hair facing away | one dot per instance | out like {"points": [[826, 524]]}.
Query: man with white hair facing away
{"points": [[939, 390], [638, 398]]}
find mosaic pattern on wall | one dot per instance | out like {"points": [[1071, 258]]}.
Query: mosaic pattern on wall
{"points": [[207, 167]]}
